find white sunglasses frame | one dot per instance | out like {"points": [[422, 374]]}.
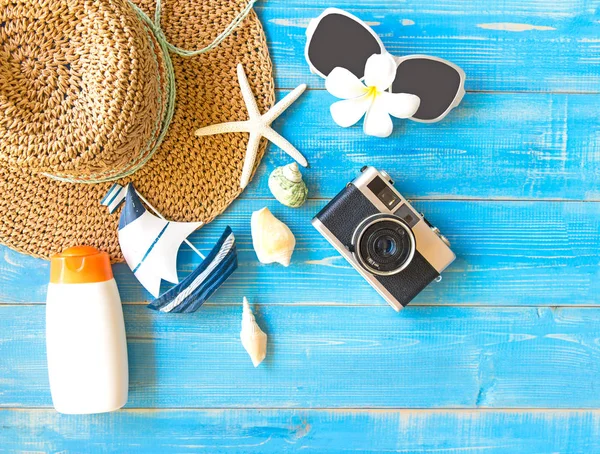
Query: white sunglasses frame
{"points": [[314, 23]]}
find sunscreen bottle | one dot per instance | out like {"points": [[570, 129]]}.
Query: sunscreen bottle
{"points": [[85, 334]]}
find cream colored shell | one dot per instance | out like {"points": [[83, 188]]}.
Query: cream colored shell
{"points": [[253, 338], [273, 241]]}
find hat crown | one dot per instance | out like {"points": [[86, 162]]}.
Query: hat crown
{"points": [[82, 87]]}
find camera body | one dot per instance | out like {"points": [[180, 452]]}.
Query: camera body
{"points": [[384, 238]]}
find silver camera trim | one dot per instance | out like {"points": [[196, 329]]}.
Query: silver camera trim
{"points": [[362, 228]]}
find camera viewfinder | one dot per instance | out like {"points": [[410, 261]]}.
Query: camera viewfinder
{"points": [[384, 193]]}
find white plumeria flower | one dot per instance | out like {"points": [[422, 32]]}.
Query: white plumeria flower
{"points": [[370, 98]]}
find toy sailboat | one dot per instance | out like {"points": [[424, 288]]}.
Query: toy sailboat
{"points": [[150, 244]]}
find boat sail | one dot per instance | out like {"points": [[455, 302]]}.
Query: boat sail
{"points": [[150, 245]]}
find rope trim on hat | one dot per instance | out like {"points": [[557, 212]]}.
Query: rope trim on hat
{"points": [[218, 40], [165, 47]]}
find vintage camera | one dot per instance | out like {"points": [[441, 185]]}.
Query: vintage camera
{"points": [[384, 238]]}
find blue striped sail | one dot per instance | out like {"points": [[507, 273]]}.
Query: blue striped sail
{"points": [[150, 245], [114, 197]]}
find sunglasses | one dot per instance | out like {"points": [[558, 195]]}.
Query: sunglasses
{"points": [[339, 39]]}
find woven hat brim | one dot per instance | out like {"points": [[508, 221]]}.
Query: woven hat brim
{"points": [[189, 178]]}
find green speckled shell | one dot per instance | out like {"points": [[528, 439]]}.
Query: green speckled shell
{"points": [[290, 192]]}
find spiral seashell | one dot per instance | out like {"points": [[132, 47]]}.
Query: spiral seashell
{"points": [[287, 186], [253, 338]]}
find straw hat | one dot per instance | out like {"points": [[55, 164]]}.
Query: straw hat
{"points": [[86, 96]]}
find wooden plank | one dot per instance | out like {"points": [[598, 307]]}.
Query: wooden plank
{"points": [[510, 146], [335, 357], [515, 253], [283, 431], [502, 45]]}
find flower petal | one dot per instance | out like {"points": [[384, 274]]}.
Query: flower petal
{"points": [[347, 112], [378, 122], [341, 83], [380, 71], [399, 105]]}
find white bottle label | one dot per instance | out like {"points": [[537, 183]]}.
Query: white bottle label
{"points": [[86, 347]]}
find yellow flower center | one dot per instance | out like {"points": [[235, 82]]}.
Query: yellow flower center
{"points": [[372, 91]]}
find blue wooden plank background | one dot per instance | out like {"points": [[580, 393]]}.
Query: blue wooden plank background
{"points": [[337, 356], [288, 431], [502, 356]]}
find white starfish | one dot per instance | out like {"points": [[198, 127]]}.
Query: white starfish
{"points": [[258, 126]]}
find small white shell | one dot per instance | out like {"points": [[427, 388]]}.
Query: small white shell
{"points": [[253, 338], [273, 241], [287, 186]]}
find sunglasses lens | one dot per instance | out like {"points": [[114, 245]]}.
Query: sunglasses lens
{"points": [[339, 40], [435, 82]]}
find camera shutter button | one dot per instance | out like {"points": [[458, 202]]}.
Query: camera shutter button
{"points": [[387, 177]]}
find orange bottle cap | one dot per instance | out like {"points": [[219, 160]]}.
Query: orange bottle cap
{"points": [[80, 265]]}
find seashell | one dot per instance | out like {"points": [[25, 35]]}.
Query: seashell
{"points": [[253, 338], [287, 186], [273, 241]]}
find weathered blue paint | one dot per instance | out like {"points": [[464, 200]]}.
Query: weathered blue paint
{"points": [[335, 356], [494, 145], [512, 177], [515, 45], [313, 431]]}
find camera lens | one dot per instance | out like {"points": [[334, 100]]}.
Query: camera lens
{"points": [[384, 244]]}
